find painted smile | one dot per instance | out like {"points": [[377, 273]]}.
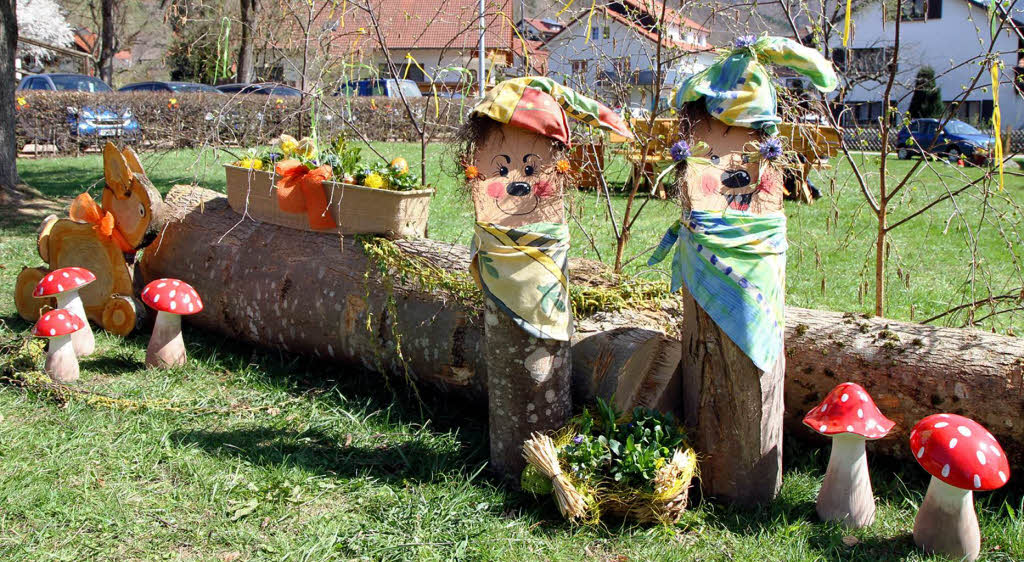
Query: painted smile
{"points": [[739, 201], [532, 208]]}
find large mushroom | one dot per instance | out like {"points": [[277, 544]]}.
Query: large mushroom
{"points": [[850, 417], [61, 361], [171, 299], [962, 457], [64, 284]]}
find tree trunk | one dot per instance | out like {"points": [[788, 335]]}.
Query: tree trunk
{"points": [[108, 43], [308, 293], [248, 18], [8, 46], [732, 411], [528, 388]]}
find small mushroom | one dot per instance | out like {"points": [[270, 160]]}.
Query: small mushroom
{"points": [[962, 457], [61, 361], [171, 299], [850, 417], [64, 284]]}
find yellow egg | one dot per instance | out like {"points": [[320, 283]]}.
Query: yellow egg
{"points": [[400, 166]]}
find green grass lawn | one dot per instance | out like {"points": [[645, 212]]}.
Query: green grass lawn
{"points": [[306, 460]]}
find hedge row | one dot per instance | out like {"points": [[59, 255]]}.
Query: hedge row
{"points": [[188, 120]]}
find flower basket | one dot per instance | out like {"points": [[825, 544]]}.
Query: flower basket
{"points": [[356, 209], [587, 497]]}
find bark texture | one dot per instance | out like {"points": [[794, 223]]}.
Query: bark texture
{"points": [[310, 293], [733, 412], [247, 15], [8, 46], [108, 42], [528, 388]]}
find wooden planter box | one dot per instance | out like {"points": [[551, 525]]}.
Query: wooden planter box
{"points": [[588, 161], [356, 209]]}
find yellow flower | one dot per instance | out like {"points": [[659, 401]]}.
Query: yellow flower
{"points": [[250, 163], [287, 144], [22, 101], [306, 148], [472, 172], [562, 166], [374, 181]]}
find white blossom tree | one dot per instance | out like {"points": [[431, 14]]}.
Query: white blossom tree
{"points": [[44, 21]]}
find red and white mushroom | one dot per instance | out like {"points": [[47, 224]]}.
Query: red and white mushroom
{"points": [[962, 457], [171, 299], [64, 284], [850, 417], [61, 361]]}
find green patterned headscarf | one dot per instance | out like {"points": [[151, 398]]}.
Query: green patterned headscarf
{"points": [[738, 88]]}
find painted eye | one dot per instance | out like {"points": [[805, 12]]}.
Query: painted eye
{"points": [[142, 210], [503, 171], [528, 170], [715, 159]]}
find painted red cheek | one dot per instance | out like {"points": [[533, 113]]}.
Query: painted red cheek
{"points": [[495, 189], [767, 182], [543, 188], [709, 183]]}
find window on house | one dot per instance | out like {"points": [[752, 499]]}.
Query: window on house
{"points": [[621, 66], [922, 9], [579, 68], [410, 71], [606, 31], [864, 63], [595, 32]]}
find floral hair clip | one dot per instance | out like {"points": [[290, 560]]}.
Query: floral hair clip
{"points": [[769, 150], [472, 172], [680, 152], [563, 166]]}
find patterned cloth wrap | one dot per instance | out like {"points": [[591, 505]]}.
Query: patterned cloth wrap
{"points": [[734, 265], [540, 105], [523, 271], [738, 89]]}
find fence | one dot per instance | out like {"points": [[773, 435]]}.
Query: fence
{"points": [[869, 138]]}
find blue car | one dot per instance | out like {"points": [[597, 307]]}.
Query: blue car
{"points": [[88, 121], [954, 140]]}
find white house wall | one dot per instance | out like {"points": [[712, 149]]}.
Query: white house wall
{"points": [[575, 44], [962, 32]]}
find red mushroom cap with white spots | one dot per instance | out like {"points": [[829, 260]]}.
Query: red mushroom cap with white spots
{"points": [[960, 452], [173, 296], [57, 322], [848, 409], [63, 280]]}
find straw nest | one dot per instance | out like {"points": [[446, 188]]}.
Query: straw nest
{"points": [[584, 501]]}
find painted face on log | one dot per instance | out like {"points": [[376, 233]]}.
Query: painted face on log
{"points": [[517, 183], [731, 178]]}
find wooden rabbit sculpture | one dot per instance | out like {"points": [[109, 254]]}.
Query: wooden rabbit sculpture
{"points": [[103, 239]]}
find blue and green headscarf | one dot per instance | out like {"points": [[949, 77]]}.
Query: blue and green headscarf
{"points": [[738, 88]]}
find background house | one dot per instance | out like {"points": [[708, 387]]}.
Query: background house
{"points": [[937, 33], [539, 29], [612, 52]]}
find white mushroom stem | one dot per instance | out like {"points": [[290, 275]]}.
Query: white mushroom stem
{"points": [[61, 361], [82, 340], [166, 347], [846, 494], [946, 523]]}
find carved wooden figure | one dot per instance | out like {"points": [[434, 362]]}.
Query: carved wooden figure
{"points": [[103, 239], [515, 144], [730, 264]]}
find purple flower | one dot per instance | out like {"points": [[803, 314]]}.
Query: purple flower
{"points": [[680, 151], [578, 439], [745, 41], [770, 149]]}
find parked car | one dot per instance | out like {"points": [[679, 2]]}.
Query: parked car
{"points": [[954, 140], [88, 121], [175, 87], [263, 89], [386, 87]]}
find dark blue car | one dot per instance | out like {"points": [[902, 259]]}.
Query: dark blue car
{"points": [[90, 120], [954, 140]]}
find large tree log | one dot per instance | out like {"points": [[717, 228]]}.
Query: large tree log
{"points": [[313, 293]]}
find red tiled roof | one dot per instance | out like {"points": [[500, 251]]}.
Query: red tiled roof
{"points": [[538, 56], [85, 40], [420, 24], [544, 26]]}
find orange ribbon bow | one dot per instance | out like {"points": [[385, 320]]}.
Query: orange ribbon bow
{"points": [[84, 209], [301, 190]]}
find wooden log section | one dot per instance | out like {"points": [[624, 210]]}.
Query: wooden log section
{"points": [[309, 293]]}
